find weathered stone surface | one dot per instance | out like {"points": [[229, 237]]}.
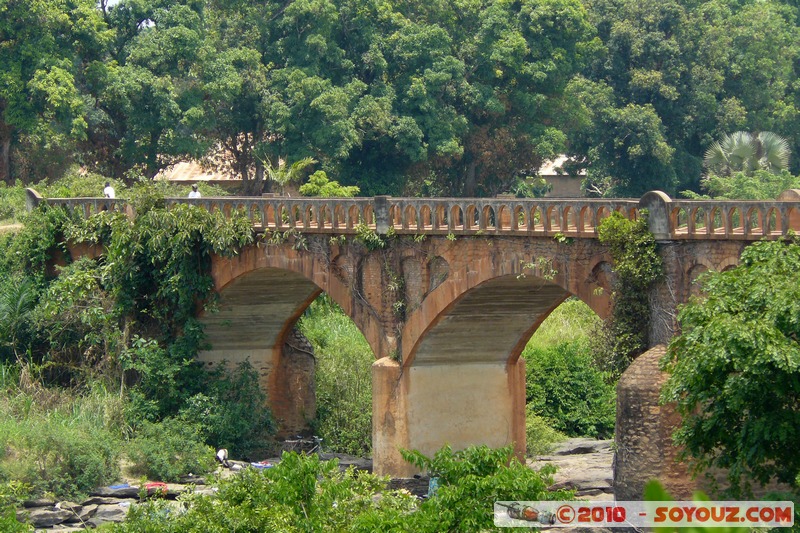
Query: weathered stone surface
{"points": [[110, 513], [43, 517], [99, 500], [584, 465], [82, 514], [644, 433], [67, 505], [127, 492], [579, 446], [39, 502], [193, 480]]}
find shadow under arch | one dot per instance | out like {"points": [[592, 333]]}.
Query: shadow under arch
{"points": [[489, 323], [255, 320]]}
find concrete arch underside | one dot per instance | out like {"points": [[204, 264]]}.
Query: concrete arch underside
{"points": [[253, 321], [490, 323]]}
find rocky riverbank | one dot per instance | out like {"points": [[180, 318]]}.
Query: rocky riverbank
{"points": [[583, 464]]}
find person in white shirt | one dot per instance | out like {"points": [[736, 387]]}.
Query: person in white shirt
{"points": [[108, 192], [195, 193]]}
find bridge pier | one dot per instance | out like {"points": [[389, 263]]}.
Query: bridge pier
{"points": [[425, 407]]}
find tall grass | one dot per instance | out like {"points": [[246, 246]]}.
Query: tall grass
{"points": [[343, 378], [57, 442]]}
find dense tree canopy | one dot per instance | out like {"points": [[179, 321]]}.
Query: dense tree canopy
{"points": [[397, 97]]}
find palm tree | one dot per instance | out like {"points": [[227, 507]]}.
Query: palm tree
{"points": [[284, 174], [745, 152]]}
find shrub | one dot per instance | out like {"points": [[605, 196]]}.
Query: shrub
{"points": [[12, 203], [169, 450], [539, 436], [232, 413], [470, 482], [301, 493], [565, 388]]}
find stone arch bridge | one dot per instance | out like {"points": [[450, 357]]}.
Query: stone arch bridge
{"points": [[447, 293]]}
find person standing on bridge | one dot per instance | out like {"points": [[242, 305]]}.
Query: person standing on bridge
{"points": [[108, 192], [194, 192]]}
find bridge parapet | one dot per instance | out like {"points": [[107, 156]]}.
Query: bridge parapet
{"points": [[722, 219], [457, 216], [669, 219]]}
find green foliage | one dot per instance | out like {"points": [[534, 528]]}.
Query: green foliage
{"points": [[564, 387], [170, 450], [44, 111], [54, 455], [572, 321], [735, 369], [470, 481], [232, 412], [77, 324], [301, 493], [745, 152], [369, 237], [78, 183], [319, 185], [284, 174], [343, 378], [11, 495], [539, 435], [655, 492], [30, 250], [18, 297], [637, 266], [758, 185]]}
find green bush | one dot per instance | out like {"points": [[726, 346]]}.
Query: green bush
{"points": [[301, 493], [232, 412], [565, 388], [539, 436], [169, 450], [12, 203], [471, 481], [343, 378], [77, 183], [572, 320]]}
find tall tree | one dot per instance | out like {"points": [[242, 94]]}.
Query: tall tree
{"points": [[705, 68], [45, 46], [143, 95]]}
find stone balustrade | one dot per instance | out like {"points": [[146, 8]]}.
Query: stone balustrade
{"points": [[669, 219]]}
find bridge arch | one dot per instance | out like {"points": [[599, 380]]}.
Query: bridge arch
{"points": [[478, 276]]}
